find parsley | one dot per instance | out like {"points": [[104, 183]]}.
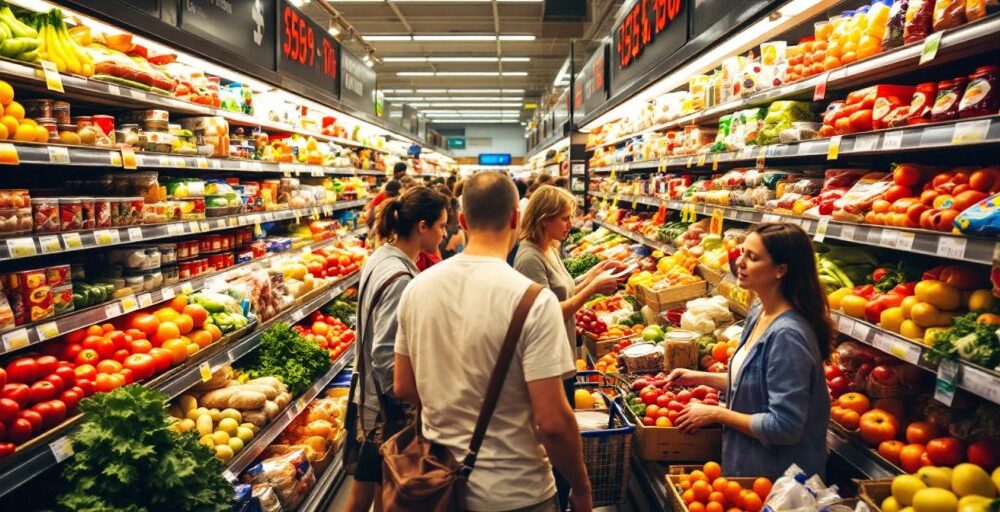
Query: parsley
{"points": [[285, 354]]}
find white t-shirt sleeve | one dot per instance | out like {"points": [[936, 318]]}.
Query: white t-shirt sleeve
{"points": [[402, 319], [545, 352]]}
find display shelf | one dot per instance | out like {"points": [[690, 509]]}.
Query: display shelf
{"points": [[944, 245], [650, 478], [323, 492], [970, 132], [636, 237], [956, 43], [858, 456], [263, 438], [38, 244], [25, 466], [36, 332]]}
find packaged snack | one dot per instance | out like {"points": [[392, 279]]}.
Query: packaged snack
{"points": [[948, 14], [14, 198], [45, 214], [975, 9], [62, 299], [290, 475], [919, 20], [949, 95], [980, 97], [982, 218], [6, 313], [923, 101]]}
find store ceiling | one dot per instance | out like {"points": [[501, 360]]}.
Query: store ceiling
{"points": [[527, 54]]}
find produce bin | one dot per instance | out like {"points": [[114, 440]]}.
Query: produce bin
{"points": [[874, 492], [670, 444], [674, 479], [598, 348], [711, 276], [662, 300]]}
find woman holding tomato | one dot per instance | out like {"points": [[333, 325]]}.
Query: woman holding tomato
{"points": [[777, 404]]}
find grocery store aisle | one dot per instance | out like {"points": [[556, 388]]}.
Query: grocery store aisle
{"points": [[340, 500]]}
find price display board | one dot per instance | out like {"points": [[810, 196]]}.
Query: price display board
{"points": [[357, 83], [306, 51], [590, 89], [245, 27], [650, 31]]}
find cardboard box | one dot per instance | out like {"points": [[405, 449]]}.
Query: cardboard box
{"points": [[664, 299], [874, 492]]}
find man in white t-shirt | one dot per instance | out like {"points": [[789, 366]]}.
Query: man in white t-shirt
{"points": [[452, 321]]}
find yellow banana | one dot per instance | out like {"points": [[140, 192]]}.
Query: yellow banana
{"points": [[51, 49], [78, 53], [72, 63]]}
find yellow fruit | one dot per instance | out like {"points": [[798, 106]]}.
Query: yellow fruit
{"points": [[244, 434], [25, 133], [926, 314], [229, 426], [973, 504], [890, 505], [932, 333], [908, 304], [10, 123], [934, 500], [224, 452], [835, 297], [185, 425], [207, 440], [4, 133], [854, 305], [204, 424], [909, 329], [904, 487], [29, 121], [996, 478], [236, 444], [41, 134], [891, 319], [938, 294], [15, 110], [583, 399], [68, 137], [232, 413], [935, 476], [971, 480], [220, 437], [6, 93], [981, 300], [215, 414]]}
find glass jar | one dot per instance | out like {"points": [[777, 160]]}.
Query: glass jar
{"points": [[45, 214], [980, 97], [49, 123], [129, 134], [34, 109], [102, 212], [136, 282], [922, 102], [168, 253], [89, 215], [60, 111], [946, 103], [170, 275]]}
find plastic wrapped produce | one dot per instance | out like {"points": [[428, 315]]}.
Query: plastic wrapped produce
{"points": [[894, 27], [804, 186], [780, 116], [948, 14], [859, 199], [290, 475], [799, 131], [975, 9], [919, 20]]}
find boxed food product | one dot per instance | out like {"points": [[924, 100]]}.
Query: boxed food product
{"points": [[290, 475], [62, 299], [15, 221], [57, 275]]}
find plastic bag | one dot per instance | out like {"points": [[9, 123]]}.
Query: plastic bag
{"points": [[975, 9], [919, 19], [948, 14], [894, 27], [794, 492], [290, 475]]}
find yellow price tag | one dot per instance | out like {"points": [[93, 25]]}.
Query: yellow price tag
{"points": [[115, 158], [701, 159], [128, 157], [21, 247], [635, 202], [257, 231], [202, 162], [206, 372], [129, 303], [690, 161], [14, 340], [715, 225], [761, 155], [47, 331], [833, 149], [72, 240], [715, 162], [187, 289], [53, 80]]}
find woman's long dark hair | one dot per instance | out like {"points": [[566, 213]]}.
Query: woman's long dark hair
{"points": [[789, 245], [397, 217]]}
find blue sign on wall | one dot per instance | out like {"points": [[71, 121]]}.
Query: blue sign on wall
{"points": [[494, 159]]}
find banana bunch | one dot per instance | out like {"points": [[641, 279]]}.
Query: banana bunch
{"points": [[60, 48], [19, 41]]}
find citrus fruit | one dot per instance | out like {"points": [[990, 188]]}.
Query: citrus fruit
{"points": [[6, 93], [15, 110], [25, 133]]}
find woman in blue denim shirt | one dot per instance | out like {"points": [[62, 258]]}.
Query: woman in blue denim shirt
{"points": [[777, 405]]}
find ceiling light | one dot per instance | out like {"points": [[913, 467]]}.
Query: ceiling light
{"points": [[462, 73], [484, 91], [415, 73], [368, 61], [387, 38], [456, 59], [397, 91], [468, 121], [334, 31]]}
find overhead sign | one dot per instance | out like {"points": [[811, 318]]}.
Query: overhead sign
{"points": [[590, 89], [648, 34], [409, 121], [246, 27], [357, 83], [456, 142], [306, 51], [494, 159]]}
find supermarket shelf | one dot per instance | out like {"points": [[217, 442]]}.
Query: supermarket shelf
{"points": [[323, 492], [972, 378], [36, 245], [956, 43], [650, 478], [636, 237], [969, 132], [37, 332], [945, 245], [96, 91], [47, 455], [269, 433], [858, 456]]}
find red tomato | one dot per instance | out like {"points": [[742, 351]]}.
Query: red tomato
{"points": [[109, 366], [71, 398], [17, 392], [162, 358], [67, 374], [104, 383], [34, 418], [139, 346], [19, 431], [48, 414], [136, 334], [87, 356], [43, 390], [120, 355], [8, 410], [142, 365], [23, 370], [127, 375], [6, 449], [56, 382], [105, 348], [46, 365], [946, 451], [985, 453], [3, 377], [85, 371], [118, 339], [86, 386], [71, 350], [60, 410]]}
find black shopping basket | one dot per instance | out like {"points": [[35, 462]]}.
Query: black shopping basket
{"points": [[607, 453]]}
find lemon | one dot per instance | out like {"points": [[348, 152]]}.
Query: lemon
{"points": [[220, 437], [582, 399], [228, 425]]}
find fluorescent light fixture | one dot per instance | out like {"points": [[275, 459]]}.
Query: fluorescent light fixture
{"points": [[387, 38], [415, 73], [368, 61], [484, 91], [398, 91], [475, 104], [462, 73], [478, 121], [450, 37], [457, 98], [563, 74], [456, 59], [334, 31]]}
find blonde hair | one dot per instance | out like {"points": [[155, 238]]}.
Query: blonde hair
{"points": [[545, 203]]}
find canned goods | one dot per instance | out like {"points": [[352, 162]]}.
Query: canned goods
{"points": [[216, 262], [184, 269]]}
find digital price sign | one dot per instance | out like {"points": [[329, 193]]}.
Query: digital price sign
{"points": [[648, 34], [306, 51]]}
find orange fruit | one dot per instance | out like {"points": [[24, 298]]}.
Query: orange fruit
{"points": [[107, 327], [732, 492], [6, 93], [178, 303], [698, 475], [95, 330], [197, 313], [15, 110], [184, 323], [4, 132], [719, 484], [165, 314], [178, 349], [717, 497], [192, 349], [696, 507], [24, 133], [29, 121], [165, 331], [146, 323], [201, 337], [214, 331], [41, 134], [712, 470], [762, 487], [685, 484], [701, 490], [688, 496], [752, 502], [734, 509], [714, 506]]}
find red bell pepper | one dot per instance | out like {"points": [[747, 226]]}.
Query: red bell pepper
{"points": [[905, 289], [867, 291], [932, 274], [875, 307], [963, 278]]}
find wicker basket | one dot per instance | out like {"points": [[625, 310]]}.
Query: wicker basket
{"points": [[874, 492]]}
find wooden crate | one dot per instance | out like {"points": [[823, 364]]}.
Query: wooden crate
{"points": [[674, 480], [874, 492], [667, 298], [713, 277], [598, 348], [672, 445]]}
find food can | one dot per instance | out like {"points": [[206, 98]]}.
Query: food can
{"points": [[49, 123], [184, 269], [216, 243], [216, 262], [105, 123], [60, 111]]}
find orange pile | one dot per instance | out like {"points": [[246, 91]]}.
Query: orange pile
{"points": [[706, 490]]}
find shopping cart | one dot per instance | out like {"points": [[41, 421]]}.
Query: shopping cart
{"points": [[607, 453]]}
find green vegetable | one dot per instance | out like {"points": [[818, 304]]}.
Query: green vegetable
{"points": [[581, 264], [634, 301], [969, 340], [284, 354], [128, 460], [342, 310], [633, 319]]}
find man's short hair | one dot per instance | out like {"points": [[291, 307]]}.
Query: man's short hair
{"points": [[392, 188], [399, 167], [489, 199]]}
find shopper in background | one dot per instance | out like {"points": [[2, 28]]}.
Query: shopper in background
{"points": [[522, 194], [391, 189], [472, 296], [454, 238], [778, 404], [399, 170], [407, 182], [561, 182], [412, 223]]}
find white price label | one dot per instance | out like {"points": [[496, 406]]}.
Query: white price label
{"points": [[970, 132], [847, 232], [137, 94], [904, 240], [194, 227], [234, 221], [62, 448], [202, 162], [806, 225], [888, 238], [115, 158], [882, 342], [860, 331], [168, 293], [228, 475], [216, 164], [844, 324], [951, 247], [297, 315], [220, 224], [892, 139], [49, 243], [21, 247], [72, 240], [187, 288], [14, 340], [175, 229], [112, 310], [865, 143], [114, 89], [104, 236], [205, 226], [874, 236], [944, 386], [981, 383], [821, 230], [58, 155], [145, 300], [770, 217], [47, 331], [129, 303], [164, 161], [906, 351], [135, 234]]}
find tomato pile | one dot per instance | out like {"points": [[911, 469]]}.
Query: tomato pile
{"points": [[328, 332], [333, 261], [658, 404]]}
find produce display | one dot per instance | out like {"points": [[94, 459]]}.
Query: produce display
{"points": [[966, 487], [707, 489], [329, 332]]}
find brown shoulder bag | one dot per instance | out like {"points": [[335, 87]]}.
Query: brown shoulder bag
{"points": [[420, 475]]}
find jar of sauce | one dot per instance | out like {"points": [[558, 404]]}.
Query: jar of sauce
{"points": [[948, 96], [980, 98]]}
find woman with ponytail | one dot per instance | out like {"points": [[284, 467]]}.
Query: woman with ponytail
{"points": [[405, 226], [777, 404]]}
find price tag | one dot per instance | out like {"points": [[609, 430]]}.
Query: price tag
{"points": [[201, 162], [297, 315], [860, 331], [186, 288], [16, 339], [205, 371], [931, 45], [8, 154], [180, 162], [874, 236], [216, 164], [228, 475], [135, 234], [257, 231], [234, 221], [690, 162], [62, 448], [129, 303], [770, 217], [129, 160], [53, 80], [49, 243], [104, 236], [205, 226], [904, 240], [715, 224], [888, 238], [715, 161], [892, 139], [865, 143], [951, 247], [220, 224], [164, 161], [114, 89], [970, 132], [72, 240], [194, 227], [761, 156], [145, 300], [137, 94], [168, 293], [906, 351], [112, 310], [844, 324], [820, 92], [944, 385], [833, 148], [21, 247], [701, 159], [847, 232], [58, 155], [47, 331], [980, 383], [301, 403], [806, 225], [882, 342]]}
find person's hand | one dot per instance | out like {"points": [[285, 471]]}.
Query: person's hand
{"points": [[683, 377], [695, 416], [604, 283], [581, 500], [600, 267]]}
